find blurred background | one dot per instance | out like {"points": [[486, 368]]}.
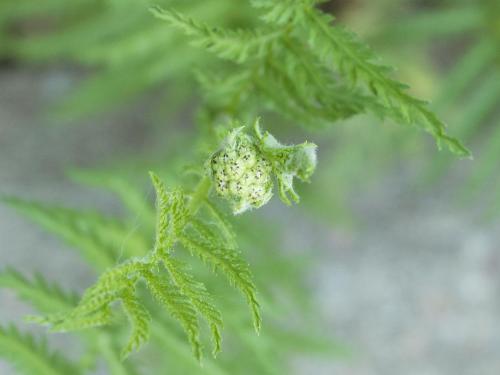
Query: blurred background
{"points": [[398, 242]]}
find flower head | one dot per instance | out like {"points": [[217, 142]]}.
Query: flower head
{"points": [[242, 169]]}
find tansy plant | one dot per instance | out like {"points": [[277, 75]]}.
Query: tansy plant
{"points": [[242, 171], [286, 60]]}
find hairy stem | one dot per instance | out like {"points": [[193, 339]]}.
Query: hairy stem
{"points": [[199, 195]]}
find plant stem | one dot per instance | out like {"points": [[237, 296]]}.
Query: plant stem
{"points": [[199, 195]]}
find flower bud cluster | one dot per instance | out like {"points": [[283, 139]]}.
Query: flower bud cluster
{"points": [[241, 173], [244, 168]]}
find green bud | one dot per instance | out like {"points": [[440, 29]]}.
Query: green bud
{"points": [[242, 169]]}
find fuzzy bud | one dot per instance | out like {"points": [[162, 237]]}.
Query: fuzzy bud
{"points": [[240, 173], [242, 169]]}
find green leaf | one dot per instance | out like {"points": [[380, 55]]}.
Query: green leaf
{"points": [[335, 45], [140, 321], [44, 296], [31, 357], [230, 264], [236, 45], [179, 306], [96, 236], [197, 293]]}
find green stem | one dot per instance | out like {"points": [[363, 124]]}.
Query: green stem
{"points": [[199, 195]]}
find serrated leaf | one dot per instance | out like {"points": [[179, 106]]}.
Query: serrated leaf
{"points": [[30, 356]]}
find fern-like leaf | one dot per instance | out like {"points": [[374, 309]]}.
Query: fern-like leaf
{"points": [[171, 219], [31, 357], [172, 215], [357, 62], [236, 45], [97, 237], [130, 195], [229, 263], [179, 306], [140, 321], [44, 296], [177, 290], [96, 300], [282, 12], [199, 297], [100, 317], [49, 298]]}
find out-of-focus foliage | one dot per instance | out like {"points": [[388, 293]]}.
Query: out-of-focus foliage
{"points": [[127, 51], [307, 69], [31, 357], [295, 61], [296, 64], [447, 51]]}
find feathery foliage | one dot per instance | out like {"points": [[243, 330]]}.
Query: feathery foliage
{"points": [[99, 239], [326, 73], [448, 53], [176, 290], [294, 62], [468, 93], [286, 59], [49, 298], [44, 296], [129, 53], [32, 357], [238, 45]]}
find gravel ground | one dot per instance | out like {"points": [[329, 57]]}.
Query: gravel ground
{"points": [[414, 289]]}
